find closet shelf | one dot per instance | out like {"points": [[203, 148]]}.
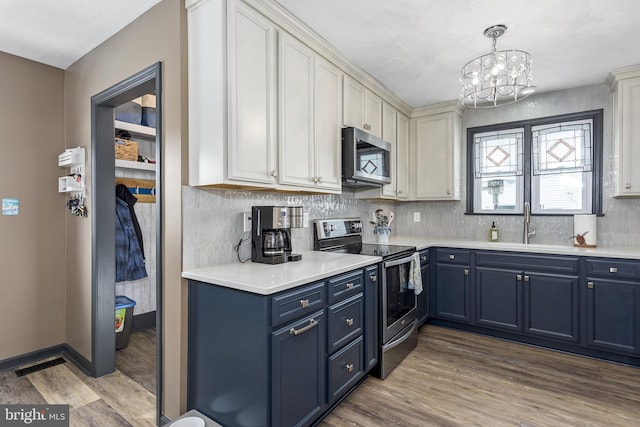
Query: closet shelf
{"points": [[128, 164], [135, 129]]}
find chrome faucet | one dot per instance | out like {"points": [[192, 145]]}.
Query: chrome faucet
{"points": [[526, 234]]}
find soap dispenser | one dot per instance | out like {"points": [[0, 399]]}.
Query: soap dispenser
{"points": [[493, 233]]}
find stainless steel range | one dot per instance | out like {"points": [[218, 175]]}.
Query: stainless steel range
{"points": [[397, 311]]}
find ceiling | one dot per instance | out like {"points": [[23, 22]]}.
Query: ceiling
{"points": [[414, 48], [59, 32], [417, 48]]}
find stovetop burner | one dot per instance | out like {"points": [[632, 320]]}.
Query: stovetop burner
{"points": [[345, 236]]}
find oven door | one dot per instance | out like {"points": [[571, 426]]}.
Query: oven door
{"points": [[398, 301]]}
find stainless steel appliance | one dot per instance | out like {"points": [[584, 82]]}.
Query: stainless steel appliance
{"points": [[271, 233], [366, 159], [398, 303]]}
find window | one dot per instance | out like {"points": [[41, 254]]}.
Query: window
{"points": [[553, 163]]}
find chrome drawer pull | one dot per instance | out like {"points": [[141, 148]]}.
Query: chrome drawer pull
{"points": [[613, 270], [349, 367], [452, 256], [374, 277], [423, 258], [349, 322], [304, 303], [312, 324], [590, 285], [350, 285], [526, 278], [466, 272], [518, 277]]}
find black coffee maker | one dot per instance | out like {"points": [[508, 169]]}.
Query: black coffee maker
{"points": [[271, 233]]}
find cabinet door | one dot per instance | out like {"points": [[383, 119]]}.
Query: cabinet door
{"points": [[551, 306], [423, 297], [499, 298], [373, 113], [328, 120], [389, 134], [453, 293], [252, 96], [613, 315], [296, 112], [402, 158], [627, 135], [437, 162], [353, 104], [298, 371], [371, 297]]}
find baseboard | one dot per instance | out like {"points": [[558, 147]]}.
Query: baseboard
{"points": [[31, 358], [77, 359], [144, 321]]}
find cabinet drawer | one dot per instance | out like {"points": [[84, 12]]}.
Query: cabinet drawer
{"points": [[526, 262], [345, 369], [342, 287], [456, 256], [345, 322], [613, 268], [296, 303]]}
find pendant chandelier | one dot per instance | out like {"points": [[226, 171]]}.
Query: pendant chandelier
{"points": [[497, 78]]}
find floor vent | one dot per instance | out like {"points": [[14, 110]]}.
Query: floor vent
{"points": [[39, 367]]}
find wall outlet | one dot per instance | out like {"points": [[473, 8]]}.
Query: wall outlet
{"points": [[416, 217], [246, 222], [305, 219]]}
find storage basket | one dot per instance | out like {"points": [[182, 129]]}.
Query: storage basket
{"points": [[126, 149]]}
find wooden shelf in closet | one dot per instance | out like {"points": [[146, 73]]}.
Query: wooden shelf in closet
{"points": [[128, 164], [135, 129]]}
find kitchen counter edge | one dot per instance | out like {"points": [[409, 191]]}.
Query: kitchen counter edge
{"points": [[267, 279], [420, 244]]}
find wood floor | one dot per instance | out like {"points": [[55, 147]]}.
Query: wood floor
{"points": [[124, 398], [455, 378], [452, 378]]}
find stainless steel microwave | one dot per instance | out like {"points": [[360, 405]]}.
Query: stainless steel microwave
{"points": [[366, 159]]}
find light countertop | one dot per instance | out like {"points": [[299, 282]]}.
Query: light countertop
{"points": [[266, 279], [424, 243]]}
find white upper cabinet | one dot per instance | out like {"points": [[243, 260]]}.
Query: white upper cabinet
{"points": [[389, 134], [362, 108], [252, 96], [310, 98], [402, 158], [436, 155], [625, 83]]}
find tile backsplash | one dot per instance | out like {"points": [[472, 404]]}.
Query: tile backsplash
{"points": [[213, 225]]}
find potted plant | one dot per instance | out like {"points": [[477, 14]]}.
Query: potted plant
{"points": [[382, 225]]}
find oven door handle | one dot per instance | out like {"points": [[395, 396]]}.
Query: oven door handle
{"points": [[397, 261], [399, 340]]}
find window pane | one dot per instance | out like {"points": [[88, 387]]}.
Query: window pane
{"points": [[562, 147], [562, 193], [498, 194], [498, 153]]}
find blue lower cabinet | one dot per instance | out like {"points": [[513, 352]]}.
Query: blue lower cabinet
{"points": [[345, 369], [551, 307], [613, 315], [345, 322], [499, 298], [298, 371], [453, 293]]}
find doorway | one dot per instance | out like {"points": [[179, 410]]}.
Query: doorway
{"points": [[103, 215]]}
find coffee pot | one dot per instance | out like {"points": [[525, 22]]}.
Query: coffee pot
{"points": [[273, 242]]}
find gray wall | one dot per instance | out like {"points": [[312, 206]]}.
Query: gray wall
{"points": [[212, 217]]}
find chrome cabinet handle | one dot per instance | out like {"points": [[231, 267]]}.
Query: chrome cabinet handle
{"points": [[320, 179], [350, 285], [590, 285], [349, 322], [373, 277], [423, 258], [627, 186], [314, 179], [304, 303], [349, 367], [273, 173], [526, 278], [518, 277], [466, 272], [448, 192], [613, 270], [312, 324], [452, 256]]}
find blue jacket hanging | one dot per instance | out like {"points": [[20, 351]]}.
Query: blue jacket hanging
{"points": [[129, 258]]}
